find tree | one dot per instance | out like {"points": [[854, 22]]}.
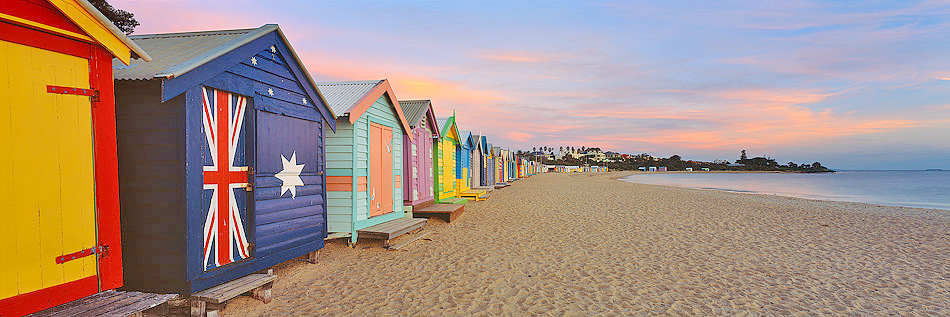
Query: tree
{"points": [[675, 158], [816, 165], [743, 157], [124, 20], [562, 150], [534, 149], [792, 165]]}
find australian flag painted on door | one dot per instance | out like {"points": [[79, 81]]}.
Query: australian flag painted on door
{"points": [[224, 195], [289, 203]]}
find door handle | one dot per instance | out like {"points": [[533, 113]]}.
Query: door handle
{"points": [[373, 196]]}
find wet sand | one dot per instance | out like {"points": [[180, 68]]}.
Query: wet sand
{"points": [[588, 244]]}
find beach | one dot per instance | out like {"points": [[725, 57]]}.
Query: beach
{"points": [[589, 244]]}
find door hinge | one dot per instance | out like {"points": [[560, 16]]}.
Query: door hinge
{"points": [[102, 251], [92, 93], [250, 179]]}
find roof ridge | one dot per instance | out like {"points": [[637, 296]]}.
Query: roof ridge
{"points": [[187, 34], [352, 82]]}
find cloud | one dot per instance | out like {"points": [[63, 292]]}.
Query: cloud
{"points": [[517, 57]]}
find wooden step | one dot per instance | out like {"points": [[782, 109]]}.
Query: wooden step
{"points": [[419, 204], [391, 229], [449, 212], [451, 201], [473, 193], [224, 292], [109, 303]]}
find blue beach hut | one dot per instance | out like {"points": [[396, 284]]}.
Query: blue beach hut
{"points": [[220, 146]]}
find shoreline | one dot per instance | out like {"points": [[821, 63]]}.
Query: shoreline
{"points": [[585, 243], [752, 192]]}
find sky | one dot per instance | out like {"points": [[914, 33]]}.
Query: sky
{"points": [[852, 84]]}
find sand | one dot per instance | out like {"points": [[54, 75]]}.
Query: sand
{"points": [[588, 244]]}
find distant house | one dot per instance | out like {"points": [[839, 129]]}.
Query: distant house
{"points": [[538, 155], [653, 168], [642, 168], [689, 169], [662, 169]]}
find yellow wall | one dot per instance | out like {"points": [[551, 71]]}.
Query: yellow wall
{"points": [[46, 170], [448, 168]]}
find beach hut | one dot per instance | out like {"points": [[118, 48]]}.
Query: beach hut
{"points": [[488, 163], [463, 163], [221, 154], [475, 165], [57, 124], [662, 169], [474, 169], [365, 161], [498, 170], [503, 167], [418, 187], [446, 184]]}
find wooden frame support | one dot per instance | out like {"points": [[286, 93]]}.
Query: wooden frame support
{"points": [[313, 257]]}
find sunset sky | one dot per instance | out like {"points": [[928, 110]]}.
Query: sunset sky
{"points": [[853, 84]]}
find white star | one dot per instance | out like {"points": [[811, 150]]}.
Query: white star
{"points": [[304, 100], [290, 176], [253, 60], [270, 91], [273, 49]]}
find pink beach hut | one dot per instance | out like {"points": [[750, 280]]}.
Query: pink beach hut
{"points": [[418, 189]]}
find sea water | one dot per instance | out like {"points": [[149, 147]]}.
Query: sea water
{"points": [[923, 189]]}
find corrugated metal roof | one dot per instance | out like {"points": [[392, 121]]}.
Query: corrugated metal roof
{"points": [[442, 121], [342, 96], [414, 110], [176, 53]]}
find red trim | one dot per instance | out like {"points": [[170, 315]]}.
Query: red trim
{"points": [[30, 37], [367, 101], [107, 168], [39, 11], [71, 91], [48, 297]]}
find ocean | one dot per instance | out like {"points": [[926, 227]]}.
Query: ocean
{"points": [[922, 189]]}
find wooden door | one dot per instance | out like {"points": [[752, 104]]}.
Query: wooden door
{"points": [[429, 184], [46, 173], [380, 170], [225, 200]]}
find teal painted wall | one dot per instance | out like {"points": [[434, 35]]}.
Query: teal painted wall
{"points": [[348, 155]]}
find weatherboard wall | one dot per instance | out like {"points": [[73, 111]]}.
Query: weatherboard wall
{"points": [[418, 187], [163, 162], [445, 185], [463, 163], [348, 161], [58, 155]]}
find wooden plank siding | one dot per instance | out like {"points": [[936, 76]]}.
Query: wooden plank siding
{"points": [[348, 156], [282, 119]]}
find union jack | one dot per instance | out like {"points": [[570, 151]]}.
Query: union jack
{"points": [[224, 228]]}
